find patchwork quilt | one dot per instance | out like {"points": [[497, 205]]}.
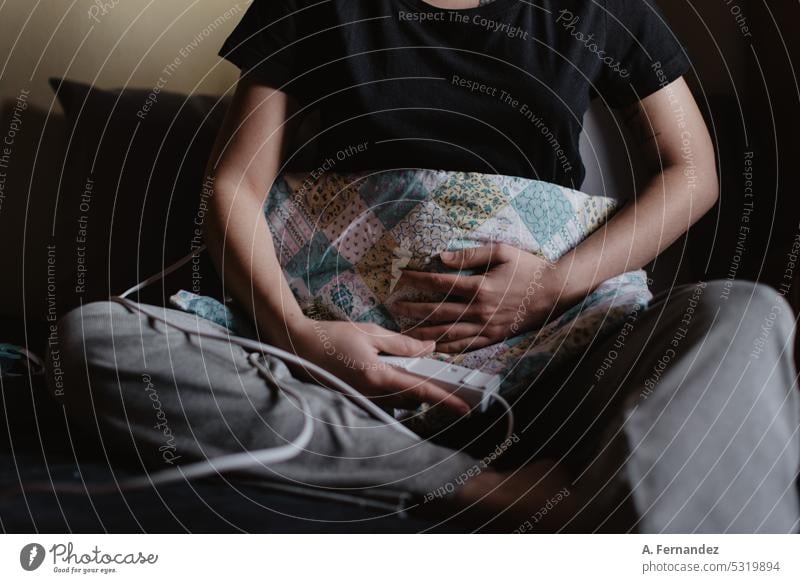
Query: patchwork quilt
{"points": [[343, 241]]}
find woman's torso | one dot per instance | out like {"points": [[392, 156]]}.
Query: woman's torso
{"points": [[499, 89]]}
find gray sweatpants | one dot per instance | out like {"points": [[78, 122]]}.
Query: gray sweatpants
{"points": [[688, 417]]}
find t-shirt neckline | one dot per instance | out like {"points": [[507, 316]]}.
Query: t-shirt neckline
{"points": [[493, 7]]}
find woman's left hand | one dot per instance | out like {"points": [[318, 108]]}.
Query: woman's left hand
{"points": [[513, 292]]}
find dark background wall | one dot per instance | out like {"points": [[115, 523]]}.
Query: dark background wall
{"points": [[744, 54]]}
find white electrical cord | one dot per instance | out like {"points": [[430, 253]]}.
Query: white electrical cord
{"points": [[261, 348], [260, 457], [509, 414]]}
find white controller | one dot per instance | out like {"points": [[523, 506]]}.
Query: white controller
{"points": [[473, 386]]}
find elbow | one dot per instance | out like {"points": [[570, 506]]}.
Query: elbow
{"points": [[701, 184], [706, 192], [214, 208], [223, 206], [706, 186], [710, 189]]}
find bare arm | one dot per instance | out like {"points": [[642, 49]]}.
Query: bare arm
{"points": [[245, 161], [673, 136]]}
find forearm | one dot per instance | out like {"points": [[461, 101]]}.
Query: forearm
{"points": [[241, 246], [641, 230]]}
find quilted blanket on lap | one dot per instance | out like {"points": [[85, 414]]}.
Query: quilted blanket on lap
{"points": [[343, 241]]}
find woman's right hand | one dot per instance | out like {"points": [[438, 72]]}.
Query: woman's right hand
{"points": [[350, 351]]}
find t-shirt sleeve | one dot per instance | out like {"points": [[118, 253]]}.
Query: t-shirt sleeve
{"points": [[264, 43], [642, 49]]}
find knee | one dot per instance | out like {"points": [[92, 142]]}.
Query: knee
{"points": [[748, 294], [753, 314], [744, 298], [80, 351], [85, 333], [756, 303]]}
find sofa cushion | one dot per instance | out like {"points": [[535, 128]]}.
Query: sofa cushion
{"points": [[128, 203]]}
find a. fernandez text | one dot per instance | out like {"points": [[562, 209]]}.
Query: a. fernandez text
{"points": [[694, 550]]}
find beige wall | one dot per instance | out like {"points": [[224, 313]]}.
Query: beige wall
{"points": [[129, 42]]}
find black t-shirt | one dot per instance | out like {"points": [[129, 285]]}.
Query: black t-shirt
{"points": [[499, 89]]}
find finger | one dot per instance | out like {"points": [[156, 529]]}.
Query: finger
{"points": [[437, 311], [402, 345], [412, 388], [460, 285], [464, 345], [475, 256], [442, 333]]}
